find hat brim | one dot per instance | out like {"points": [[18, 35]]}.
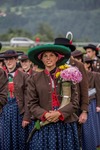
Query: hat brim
{"points": [[72, 47], [77, 55], [20, 53], [10, 56], [23, 59], [91, 47], [34, 52]]}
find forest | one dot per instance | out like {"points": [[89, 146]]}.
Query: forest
{"points": [[51, 18]]}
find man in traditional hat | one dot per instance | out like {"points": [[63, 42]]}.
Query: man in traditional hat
{"points": [[92, 52]]}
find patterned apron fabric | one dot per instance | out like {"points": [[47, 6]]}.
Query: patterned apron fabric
{"points": [[91, 129], [56, 136], [13, 135]]}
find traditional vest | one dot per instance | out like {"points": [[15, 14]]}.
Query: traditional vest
{"points": [[11, 86]]}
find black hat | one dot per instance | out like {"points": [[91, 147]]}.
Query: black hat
{"points": [[93, 47], [23, 57], [0, 45], [77, 53], [10, 53], [65, 42], [20, 53]]}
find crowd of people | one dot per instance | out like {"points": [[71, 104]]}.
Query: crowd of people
{"points": [[31, 94]]}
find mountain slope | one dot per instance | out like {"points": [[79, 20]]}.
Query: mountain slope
{"points": [[82, 18]]}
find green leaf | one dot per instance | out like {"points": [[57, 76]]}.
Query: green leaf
{"points": [[37, 125]]}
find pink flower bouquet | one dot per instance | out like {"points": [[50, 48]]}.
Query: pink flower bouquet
{"points": [[71, 74]]}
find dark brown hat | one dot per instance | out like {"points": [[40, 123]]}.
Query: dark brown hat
{"points": [[20, 53], [91, 46], [10, 53], [65, 42], [76, 53], [23, 57]]}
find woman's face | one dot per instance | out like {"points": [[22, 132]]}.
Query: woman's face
{"points": [[49, 59], [26, 64], [10, 63]]}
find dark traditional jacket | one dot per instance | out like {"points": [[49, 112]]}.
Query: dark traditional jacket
{"points": [[25, 109], [82, 86], [19, 87], [19, 81], [96, 65], [39, 92], [3, 89], [94, 82]]}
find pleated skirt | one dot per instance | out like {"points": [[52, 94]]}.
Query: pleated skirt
{"points": [[13, 136], [56, 136], [0, 130], [91, 128]]}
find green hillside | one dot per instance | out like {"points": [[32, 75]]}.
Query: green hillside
{"points": [[80, 17]]}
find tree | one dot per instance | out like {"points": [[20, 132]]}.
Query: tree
{"points": [[46, 31], [14, 33]]}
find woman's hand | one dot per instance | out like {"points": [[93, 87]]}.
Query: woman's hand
{"points": [[52, 116], [25, 123], [97, 109], [83, 117]]}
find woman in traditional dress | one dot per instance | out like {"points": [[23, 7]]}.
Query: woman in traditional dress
{"points": [[27, 67], [44, 99], [91, 128], [13, 113]]}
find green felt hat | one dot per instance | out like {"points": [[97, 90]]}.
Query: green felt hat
{"points": [[34, 53]]}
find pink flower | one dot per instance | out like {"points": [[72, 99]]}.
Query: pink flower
{"points": [[71, 74]]}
